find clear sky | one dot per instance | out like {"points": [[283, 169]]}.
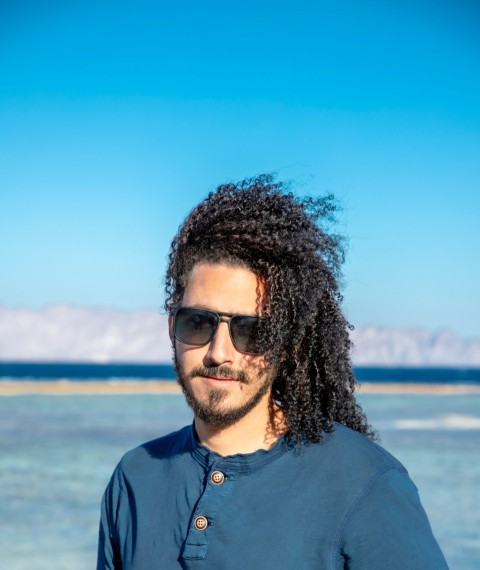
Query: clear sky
{"points": [[117, 117]]}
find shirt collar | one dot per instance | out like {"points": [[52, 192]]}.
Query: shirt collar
{"points": [[238, 463]]}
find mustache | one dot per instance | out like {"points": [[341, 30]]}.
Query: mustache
{"points": [[220, 372]]}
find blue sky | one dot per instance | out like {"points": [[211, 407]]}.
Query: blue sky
{"points": [[117, 117]]}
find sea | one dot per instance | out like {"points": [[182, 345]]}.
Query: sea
{"points": [[57, 453]]}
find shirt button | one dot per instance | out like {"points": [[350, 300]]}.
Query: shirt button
{"points": [[200, 523], [217, 477]]}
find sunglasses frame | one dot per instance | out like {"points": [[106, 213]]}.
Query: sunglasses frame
{"points": [[221, 318]]}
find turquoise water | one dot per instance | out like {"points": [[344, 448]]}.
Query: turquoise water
{"points": [[57, 454]]}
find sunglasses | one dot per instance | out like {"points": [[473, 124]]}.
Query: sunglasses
{"points": [[198, 327]]}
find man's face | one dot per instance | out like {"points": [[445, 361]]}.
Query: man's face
{"points": [[222, 384]]}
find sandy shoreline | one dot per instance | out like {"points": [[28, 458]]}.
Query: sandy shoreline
{"points": [[117, 387], [68, 387], [417, 388]]}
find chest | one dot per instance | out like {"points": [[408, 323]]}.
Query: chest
{"points": [[216, 519]]}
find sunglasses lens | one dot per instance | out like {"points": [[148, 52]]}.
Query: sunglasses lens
{"points": [[194, 326], [245, 332]]}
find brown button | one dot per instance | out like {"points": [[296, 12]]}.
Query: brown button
{"points": [[200, 523], [217, 477]]}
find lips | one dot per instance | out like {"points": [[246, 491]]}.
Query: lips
{"points": [[220, 378], [219, 381], [219, 374]]}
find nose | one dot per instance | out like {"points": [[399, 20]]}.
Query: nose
{"points": [[220, 350]]}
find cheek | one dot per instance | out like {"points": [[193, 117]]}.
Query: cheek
{"points": [[189, 356]]}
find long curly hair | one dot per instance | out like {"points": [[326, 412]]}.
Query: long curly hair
{"points": [[260, 224]]}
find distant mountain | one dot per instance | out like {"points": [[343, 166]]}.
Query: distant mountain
{"points": [[78, 334], [413, 347]]}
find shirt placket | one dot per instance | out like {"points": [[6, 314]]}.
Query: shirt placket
{"points": [[208, 510]]}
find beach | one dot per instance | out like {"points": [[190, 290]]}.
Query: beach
{"points": [[118, 387], [107, 387]]}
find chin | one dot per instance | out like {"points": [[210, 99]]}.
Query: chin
{"points": [[214, 409]]}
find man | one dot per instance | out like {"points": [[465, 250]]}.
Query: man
{"points": [[278, 470]]}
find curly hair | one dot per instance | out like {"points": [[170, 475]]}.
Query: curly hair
{"points": [[260, 224]]}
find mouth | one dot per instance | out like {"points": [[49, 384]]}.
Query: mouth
{"points": [[219, 380], [219, 376]]}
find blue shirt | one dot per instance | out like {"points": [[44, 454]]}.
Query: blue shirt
{"points": [[342, 503]]}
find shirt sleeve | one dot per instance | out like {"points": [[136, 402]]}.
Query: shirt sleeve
{"points": [[386, 527], [108, 557]]}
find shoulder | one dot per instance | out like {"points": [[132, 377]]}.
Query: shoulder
{"points": [[348, 453], [139, 460], [384, 524], [354, 444], [141, 470]]}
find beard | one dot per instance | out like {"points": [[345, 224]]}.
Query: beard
{"points": [[212, 411]]}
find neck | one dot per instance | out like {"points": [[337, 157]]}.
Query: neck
{"points": [[259, 429]]}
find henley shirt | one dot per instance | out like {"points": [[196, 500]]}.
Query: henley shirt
{"points": [[342, 503]]}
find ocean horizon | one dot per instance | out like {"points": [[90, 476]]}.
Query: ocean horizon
{"points": [[87, 371]]}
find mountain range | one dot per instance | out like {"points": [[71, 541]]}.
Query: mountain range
{"points": [[78, 334]]}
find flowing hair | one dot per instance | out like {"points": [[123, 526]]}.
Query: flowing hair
{"points": [[260, 224]]}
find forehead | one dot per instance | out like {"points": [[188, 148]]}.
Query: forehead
{"points": [[223, 287]]}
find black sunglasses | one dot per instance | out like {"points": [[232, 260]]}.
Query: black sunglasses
{"points": [[198, 327]]}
